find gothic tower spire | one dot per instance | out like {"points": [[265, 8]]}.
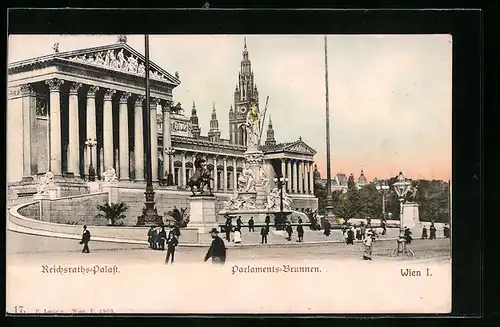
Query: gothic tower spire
{"points": [[270, 140], [195, 128], [214, 133]]}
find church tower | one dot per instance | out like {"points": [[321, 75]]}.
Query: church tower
{"points": [[214, 133], [270, 140], [245, 92], [195, 128]]}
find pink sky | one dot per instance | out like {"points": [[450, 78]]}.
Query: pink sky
{"points": [[390, 95]]}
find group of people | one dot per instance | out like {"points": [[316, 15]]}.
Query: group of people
{"points": [[158, 238], [432, 232]]}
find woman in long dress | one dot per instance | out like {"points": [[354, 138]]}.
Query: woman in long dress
{"points": [[368, 242]]}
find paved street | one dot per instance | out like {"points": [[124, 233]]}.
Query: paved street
{"points": [[67, 251]]}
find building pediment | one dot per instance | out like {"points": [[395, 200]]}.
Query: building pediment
{"points": [[115, 57], [299, 147]]}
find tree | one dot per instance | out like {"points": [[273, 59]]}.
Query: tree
{"points": [[371, 202], [350, 205], [320, 193], [112, 212]]}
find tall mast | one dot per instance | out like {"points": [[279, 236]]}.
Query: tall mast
{"points": [[328, 168]]}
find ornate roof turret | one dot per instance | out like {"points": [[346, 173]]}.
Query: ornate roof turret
{"points": [[316, 173], [214, 133], [270, 140], [195, 128], [362, 178]]}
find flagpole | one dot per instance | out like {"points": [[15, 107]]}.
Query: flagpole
{"points": [[328, 200]]}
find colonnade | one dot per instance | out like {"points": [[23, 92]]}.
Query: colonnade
{"points": [[299, 174]]}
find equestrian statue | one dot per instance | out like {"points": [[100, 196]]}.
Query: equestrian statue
{"points": [[201, 178]]}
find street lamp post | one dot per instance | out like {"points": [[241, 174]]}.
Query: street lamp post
{"points": [[90, 143], [383, 189], [281, 182], [170, 177], [402, 186]]}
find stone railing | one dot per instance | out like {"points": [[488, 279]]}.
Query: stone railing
{"points": [[188, 235]]}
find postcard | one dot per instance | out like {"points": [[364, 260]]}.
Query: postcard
{"points": [[223, 174]]}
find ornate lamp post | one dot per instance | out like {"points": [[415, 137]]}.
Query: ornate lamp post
{"points": [[170, 177], [90, 143], [402, 186], [383, 189], [281, 182]]}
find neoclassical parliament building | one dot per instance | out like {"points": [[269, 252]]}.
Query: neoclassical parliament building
{"points": [[58, 101]]}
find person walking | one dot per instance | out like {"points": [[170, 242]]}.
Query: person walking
{"points": [[289, 231], [263, 233], [328, 227], [384, 227], [217, 250], [251, 225], [172, 242], [150, 237], [163, 238], [407, 234], [432, 230], [350, 236], [228, 227], [424, 233], [85, 239], [368, 242], [154, 235], [239, 223], [358, 233], [300, 232], [237, 236]]}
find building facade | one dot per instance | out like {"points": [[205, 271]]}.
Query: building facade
{"points": [[57, 102]]}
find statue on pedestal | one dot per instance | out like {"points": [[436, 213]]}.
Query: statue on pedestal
{"points": [[253, 124], [246, 181], [201, 178], [109, 176]]}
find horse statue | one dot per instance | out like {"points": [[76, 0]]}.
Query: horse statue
{"points": [[201, 178]]}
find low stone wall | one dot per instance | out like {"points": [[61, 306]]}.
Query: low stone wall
{"points": [[78, 210], [300, 202], [188, 235], [31, 210]]}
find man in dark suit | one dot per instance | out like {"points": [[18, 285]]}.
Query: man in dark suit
{"points": [[172, 242], [217, 250], [85, 239], [264, 231], [251, 225], [228, 228], [239, 223]]}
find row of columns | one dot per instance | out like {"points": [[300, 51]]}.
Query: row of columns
{"points": [[300, 176], [91, 132]]}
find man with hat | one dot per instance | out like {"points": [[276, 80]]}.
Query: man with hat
{"points": [[217, 250], [85, 239], [368, 242]]}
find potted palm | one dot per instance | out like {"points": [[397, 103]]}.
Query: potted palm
{"points": [[113, 212]]}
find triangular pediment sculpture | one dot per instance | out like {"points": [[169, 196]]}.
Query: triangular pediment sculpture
{"points": [[300, 147], [119, 57]]}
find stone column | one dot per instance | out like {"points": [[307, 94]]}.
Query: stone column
{"points": [[153, 106], [306, 177], [296, 176], [311, 177], [107, 129], [235, 175], [29, 113], [224, 178], [302, 175], [183, 170], [91, 128], [55, 126], [167, 143], [283, 168], [138, 139], [74, 134], [289, 175], [215, 174], [123, 136]]}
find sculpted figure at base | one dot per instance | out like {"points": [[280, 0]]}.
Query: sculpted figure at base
{"points": [[246, 181], [200, 179], [43, 183], [274, 200], [109, 176], [263, 178]]}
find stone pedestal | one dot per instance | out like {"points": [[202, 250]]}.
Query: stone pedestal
{"points": [[411, 217], [255, 160], [112, 190], [202, 213]]}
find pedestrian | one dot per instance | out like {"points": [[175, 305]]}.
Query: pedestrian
{"points": [[263, 232], [85, 239], [328, 226], [446, 231], [407, 234], [172, 242], [289, 231], [251, 224], [268, 220], [300, 232], [384, 227], [237, 236], [154, 234], [217, 250], [424, 233], [358, 233], [158, 238], [228, 228], [362, 231], [150, 237], [350, 236], [239, 223], [432, 230], [368, 242], [163, 238]]}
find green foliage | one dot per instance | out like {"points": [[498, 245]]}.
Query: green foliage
{"points": [[432, 197], [113, 212]]}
